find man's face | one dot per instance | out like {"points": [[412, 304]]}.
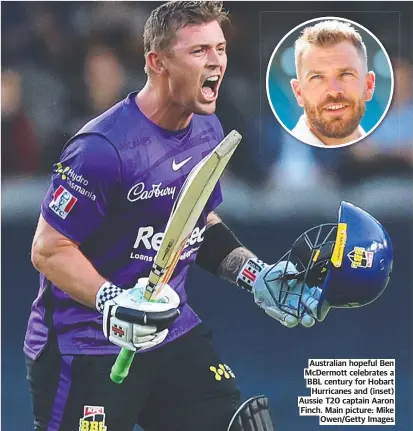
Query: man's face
{"points": [[196, 66], [333, 87]]}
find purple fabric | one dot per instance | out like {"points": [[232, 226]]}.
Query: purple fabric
{"points": [[62, 394], [112, 192]]}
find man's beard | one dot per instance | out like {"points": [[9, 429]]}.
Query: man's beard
{"points": [[335, 127]]}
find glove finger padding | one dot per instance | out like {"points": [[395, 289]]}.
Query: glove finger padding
{"points": [[283, 317], [307, 309], [310, 299], [161, 319], [307, 321], [140, 340], [143, 334], [283, 304], [143, 330], [141, 344], [304, 318]]}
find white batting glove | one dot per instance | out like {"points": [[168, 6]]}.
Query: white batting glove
{"points": [[264, 281], [131, 321]]}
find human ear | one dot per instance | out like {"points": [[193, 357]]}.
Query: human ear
{"points": [[370, 83], [296, 87], [155, 63]]}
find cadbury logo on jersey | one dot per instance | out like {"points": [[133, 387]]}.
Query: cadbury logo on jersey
{"points": [[139, 192]]}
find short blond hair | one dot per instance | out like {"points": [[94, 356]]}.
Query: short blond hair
{"points": [[163, 22], [328, 33]]}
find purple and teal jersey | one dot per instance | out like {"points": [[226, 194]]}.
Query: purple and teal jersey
{"points": [[112, 192]]}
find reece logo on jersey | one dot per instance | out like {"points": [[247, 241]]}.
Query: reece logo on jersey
{"points": [[152, 241], [62, 203]]}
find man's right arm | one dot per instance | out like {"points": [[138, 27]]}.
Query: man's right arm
{"points": [[68, 217], [61, 261]]}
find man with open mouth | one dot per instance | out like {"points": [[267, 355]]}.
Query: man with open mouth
{"points": [[92, 250], [333, 84]]}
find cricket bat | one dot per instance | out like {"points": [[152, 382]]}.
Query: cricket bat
{"points": [[186, 211]]}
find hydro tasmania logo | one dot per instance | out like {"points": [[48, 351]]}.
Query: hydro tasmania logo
{"points": [[93, 419], [74, 180]]}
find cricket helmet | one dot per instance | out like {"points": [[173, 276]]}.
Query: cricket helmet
{"points": [[348, 263]]}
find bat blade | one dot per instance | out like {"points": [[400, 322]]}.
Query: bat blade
{"points": [[188, 207], [186, 211]]}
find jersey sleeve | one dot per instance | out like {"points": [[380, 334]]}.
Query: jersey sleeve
{"points": [[83, 186]]}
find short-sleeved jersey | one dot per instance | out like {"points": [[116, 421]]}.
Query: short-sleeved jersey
{"points": [[112, 192]]}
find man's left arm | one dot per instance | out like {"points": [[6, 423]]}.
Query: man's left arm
{"points": [[224, 255], [234, 261]]}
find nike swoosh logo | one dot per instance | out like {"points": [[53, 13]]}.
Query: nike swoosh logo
{"points": [[176, 166]]}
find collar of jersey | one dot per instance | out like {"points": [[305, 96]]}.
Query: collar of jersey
{"points": [[178, 136]]}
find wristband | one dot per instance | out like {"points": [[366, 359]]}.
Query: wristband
{"points": [[249, 272], [218, 243], [105, 293]]}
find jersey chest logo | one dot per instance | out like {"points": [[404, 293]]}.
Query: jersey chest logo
{"points": [[177, 166], [140, 192]]}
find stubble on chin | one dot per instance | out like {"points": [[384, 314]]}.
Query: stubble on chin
{"points": [[205, 109], [335, 128]]}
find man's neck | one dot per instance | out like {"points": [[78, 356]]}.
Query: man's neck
{"points": [[154, 103], [331, 142]]}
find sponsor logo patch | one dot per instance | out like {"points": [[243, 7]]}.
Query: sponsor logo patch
{"points": [[176, 166], [139, 192], [63, 202], [93, 419], [340, 244], [67, 172], [148, 239], [360, 258], [118, 331], [222, 371], [74, 180]]}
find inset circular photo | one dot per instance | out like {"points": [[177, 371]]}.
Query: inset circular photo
{"points": [[329, 82]]}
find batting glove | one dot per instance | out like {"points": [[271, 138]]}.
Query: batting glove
{"points": [[265, 282], [131, 321]]}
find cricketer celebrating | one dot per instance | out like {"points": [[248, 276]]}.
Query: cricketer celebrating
{"points": [[101, 223]]}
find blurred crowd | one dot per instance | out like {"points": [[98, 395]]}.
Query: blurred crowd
{"points": [[65, 62]]}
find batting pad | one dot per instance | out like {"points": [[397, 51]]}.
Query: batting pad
{"points": [[253, 415]]}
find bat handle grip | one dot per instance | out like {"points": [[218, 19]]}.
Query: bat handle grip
{"points": [[120, 368]]}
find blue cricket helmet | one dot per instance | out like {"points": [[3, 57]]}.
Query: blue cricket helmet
{"points": [[361, 261], [350, 262]]}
